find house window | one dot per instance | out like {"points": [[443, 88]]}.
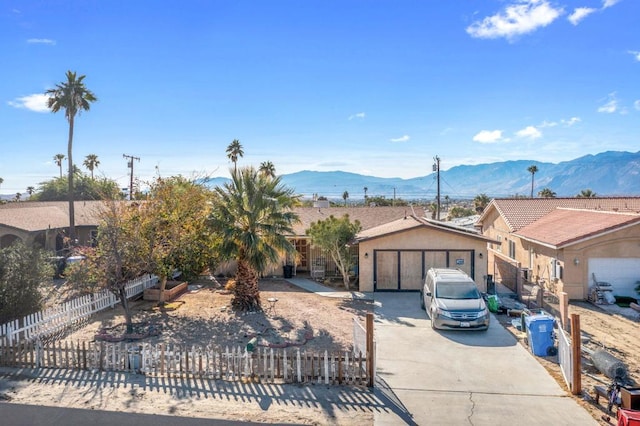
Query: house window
{"points": [[512, 249], [500, 245]]}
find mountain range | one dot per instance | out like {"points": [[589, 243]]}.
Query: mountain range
{"points": [[611, 173]]}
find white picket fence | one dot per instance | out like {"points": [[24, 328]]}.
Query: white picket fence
{"points": [[67, 315], [564, 356]]}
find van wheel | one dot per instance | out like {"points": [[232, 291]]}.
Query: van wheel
{"points": [[422, 301]]}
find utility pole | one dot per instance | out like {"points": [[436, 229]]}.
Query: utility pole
{"points": [[130, 159], [436, 168]]}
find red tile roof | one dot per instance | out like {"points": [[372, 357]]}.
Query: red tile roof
{"points": [[563, 227], [520, 212]]}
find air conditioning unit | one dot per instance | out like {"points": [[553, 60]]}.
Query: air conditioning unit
{"points": [[556, 269]]}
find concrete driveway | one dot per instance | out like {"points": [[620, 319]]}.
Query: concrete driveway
{"points": [[460, 377]]}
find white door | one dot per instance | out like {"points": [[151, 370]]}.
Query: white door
{"points": [[622, 274]]}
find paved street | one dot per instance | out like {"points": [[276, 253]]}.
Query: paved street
{"points": [[461, 378]]}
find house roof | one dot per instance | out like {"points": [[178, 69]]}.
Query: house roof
{"points": [[369, 217], [563, 227], [411, 222], [39, 216], [520, 212]]}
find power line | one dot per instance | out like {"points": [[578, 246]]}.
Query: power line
{"points": [[130, 159]]}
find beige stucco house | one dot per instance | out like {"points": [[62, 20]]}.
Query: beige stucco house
{"points": [[395, 256], [563, 244]]}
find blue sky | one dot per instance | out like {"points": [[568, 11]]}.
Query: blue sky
{"points": [[373, 87]]}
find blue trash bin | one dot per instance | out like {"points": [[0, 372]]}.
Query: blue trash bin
{"points": [[540, 333]]}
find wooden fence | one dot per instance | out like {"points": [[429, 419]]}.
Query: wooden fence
{"points": [[67, 316], [234, 364]]}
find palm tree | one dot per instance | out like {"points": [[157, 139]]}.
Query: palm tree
{"points": [[267, 169], [1, 181], [58, 160], [586, 193], [480, 202], [253, 215], [533, 169], [345, 195], [30, 190], [365, 193], [234, 151], [17, 196], [91, 162], [546, 193], [73, 97]]}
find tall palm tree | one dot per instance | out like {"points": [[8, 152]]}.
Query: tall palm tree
{"points": [[345, 195], [17, 196], [253, 214], [234, 151], [533, 169], [365, 192], [30, 190], [91, 162], [267, 169], [73, 97], [586, 193], [58, 160]]}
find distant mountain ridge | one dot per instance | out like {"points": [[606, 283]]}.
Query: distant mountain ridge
{"points": [[611, 173]]}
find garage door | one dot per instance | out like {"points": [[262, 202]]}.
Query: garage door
{"points": [[622, 274], [405, 269]]}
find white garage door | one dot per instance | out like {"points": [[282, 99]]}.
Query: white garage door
{"points": [[622, 274]]}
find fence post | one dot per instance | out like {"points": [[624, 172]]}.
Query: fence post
{"points": [[564, 309], [370, 352], [576, 387]]}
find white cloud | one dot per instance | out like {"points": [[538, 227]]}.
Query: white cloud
{"points": [[636, 104], [488, 136], [404, 138], [360, 115], [579, 14], [548, 124], [41, 41], [530, 132], [570, 122], [521, 17], [611, 106], [636, 54], [608, 3], [36, 102]]}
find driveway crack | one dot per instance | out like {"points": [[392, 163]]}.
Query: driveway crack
{"points": [[473, 406]]}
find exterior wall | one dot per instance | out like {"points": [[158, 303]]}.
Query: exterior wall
{"points": [[422, 238]]}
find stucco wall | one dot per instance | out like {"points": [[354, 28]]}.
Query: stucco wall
{"points": [[422, 238]]}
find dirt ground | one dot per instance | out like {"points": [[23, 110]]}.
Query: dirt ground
{"points": [[610, 327]]}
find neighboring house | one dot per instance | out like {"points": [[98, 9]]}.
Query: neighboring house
{"points": [[46, 224], [563, 244], [395, 256]]}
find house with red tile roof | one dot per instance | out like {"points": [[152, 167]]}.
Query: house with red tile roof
{"points": [[565, 244]]}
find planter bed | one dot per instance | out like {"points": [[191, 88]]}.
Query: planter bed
{"points": [[171, 291]]}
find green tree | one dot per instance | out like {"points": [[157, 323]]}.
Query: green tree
{"points": [[345, 196], [253, 215], [17, 196], [267, 169], [586, 193], [85, 188], [30, 190], [381, 200], [1, 181], [234, 151], [533, 169], [73, 97], [58, 158], [480, 202], [23, 273], [91, 162], [334, 237], [365, 193], [457, 212], [546, 193]]}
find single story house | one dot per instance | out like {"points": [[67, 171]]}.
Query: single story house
{"points": [[564, 244]]}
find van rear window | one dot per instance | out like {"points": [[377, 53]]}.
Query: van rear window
{"points": [[458, 290]]}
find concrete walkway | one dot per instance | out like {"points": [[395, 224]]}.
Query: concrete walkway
{"points": [[325, 291]]}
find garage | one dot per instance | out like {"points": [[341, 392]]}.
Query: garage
{"points": [[622, 273], [396, 256]]}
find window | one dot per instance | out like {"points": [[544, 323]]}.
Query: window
{"points": [[512, 249]]}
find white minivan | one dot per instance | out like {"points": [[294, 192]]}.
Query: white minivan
{"points": [[453, 301]]}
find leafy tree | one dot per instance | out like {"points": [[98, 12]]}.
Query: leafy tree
{"points": [[58, 158], [234, 151], [91, 162], [85, 188], [457, 212], [173, 225], [30, 190], [23, 271], [546, 193], [253, 215], [480, 202], [73, 97], [586, 193], [533, 169], [268, 169], [17, 196], [365, 192], [1, 181], [345, 196], [380, 200], [334, 237]]}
